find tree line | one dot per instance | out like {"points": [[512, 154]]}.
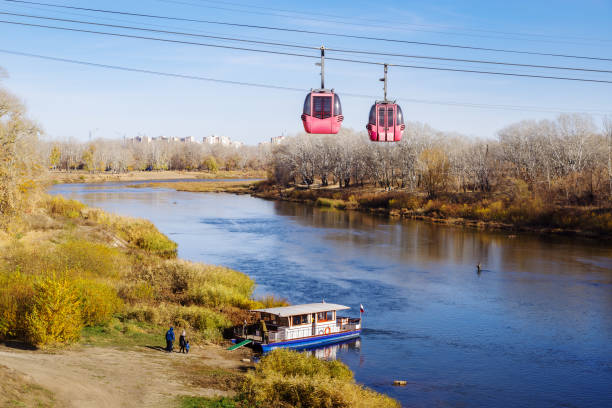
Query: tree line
{"points": [[126, 155], [568, 159]]}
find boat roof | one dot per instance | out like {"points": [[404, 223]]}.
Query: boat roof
{"points": [[286, 311]]}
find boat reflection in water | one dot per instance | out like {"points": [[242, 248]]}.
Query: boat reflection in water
{"points": [[330, 352]]}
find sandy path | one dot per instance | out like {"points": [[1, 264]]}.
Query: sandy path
{"points": [[106, 377]]}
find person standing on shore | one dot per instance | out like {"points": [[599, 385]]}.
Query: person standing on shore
{"points": [[169, 339], [182, 341]]}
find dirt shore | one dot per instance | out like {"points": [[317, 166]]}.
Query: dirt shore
{"points": [[103, 377]]}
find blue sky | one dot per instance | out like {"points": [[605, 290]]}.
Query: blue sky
{"points": [[72, 100]]}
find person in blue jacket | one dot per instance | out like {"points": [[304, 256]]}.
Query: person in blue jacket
{"points": [[169, 339], [187, 346]]}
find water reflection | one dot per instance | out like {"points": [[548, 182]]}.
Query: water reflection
{"points": [[331, 351]]}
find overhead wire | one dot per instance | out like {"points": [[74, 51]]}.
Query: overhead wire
{"points": [[386, 54], [174, 41], [286, 88], [254, 26], [388, 24]]}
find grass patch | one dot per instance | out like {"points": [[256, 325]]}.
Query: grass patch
{"points": [[330, 203], [203, 402], [123, 334]]}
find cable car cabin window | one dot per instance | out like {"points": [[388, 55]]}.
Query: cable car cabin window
{"points": [[337, 105], [307, 105], [322, 107], [400, 116], [381, 116], [372, 115], [324, 316], [390, 118], [299, 319]]}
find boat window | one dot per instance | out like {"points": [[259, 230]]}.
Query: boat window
{"points": [[321, 107], [400, 116], [337, 105], [284, 321], [324, 316], [307, 105], [372, 118], [300, 319]]}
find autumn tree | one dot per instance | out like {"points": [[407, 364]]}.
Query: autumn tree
{"points": [[19, 160]]}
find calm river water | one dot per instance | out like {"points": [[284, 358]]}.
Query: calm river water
{"points": [[533, 329]]}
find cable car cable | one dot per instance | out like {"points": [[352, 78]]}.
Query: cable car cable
{"points": [[285, 88], [342, 20], [314, 32], [305, 55], [307, 47]]}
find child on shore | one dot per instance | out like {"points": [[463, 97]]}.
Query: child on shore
{"points": [[187, 346]]}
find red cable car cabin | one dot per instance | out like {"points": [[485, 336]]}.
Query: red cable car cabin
{"points": [[322, 112], [386, 122]]}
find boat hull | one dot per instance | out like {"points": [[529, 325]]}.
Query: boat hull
{"points": [[311, 341]]}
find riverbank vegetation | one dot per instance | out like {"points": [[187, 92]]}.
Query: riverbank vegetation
{"points": [[551, 175]]}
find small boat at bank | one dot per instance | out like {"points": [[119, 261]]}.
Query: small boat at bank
{"points": [[299, 326]]}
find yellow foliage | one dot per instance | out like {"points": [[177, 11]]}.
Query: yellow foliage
{"points": [[55, 314], [58, 205], [286, 378], [16, 293], [98, 302]]}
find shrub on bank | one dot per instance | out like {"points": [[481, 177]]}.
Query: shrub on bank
{"points": [[54, 315], [286, 378], [58, 205], [330, 203], [99, 302]]}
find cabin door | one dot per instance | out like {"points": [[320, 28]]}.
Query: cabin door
{"points": [[314, 324], [386, 123]]}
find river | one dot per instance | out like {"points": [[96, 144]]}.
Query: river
{"points": [[533, 329]]}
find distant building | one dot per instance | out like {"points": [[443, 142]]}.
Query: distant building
{"points": [[217, 140], [277, 140], [188, 139], [237, 144]]}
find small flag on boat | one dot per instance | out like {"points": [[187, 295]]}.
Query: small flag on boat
{"points": [[361, 309]]}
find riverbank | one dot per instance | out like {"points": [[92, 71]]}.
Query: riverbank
{"points": [[473, 210], [80, 176], [234, 187]]}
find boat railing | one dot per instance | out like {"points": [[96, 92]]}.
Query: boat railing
{"points": [[348, 323]]}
